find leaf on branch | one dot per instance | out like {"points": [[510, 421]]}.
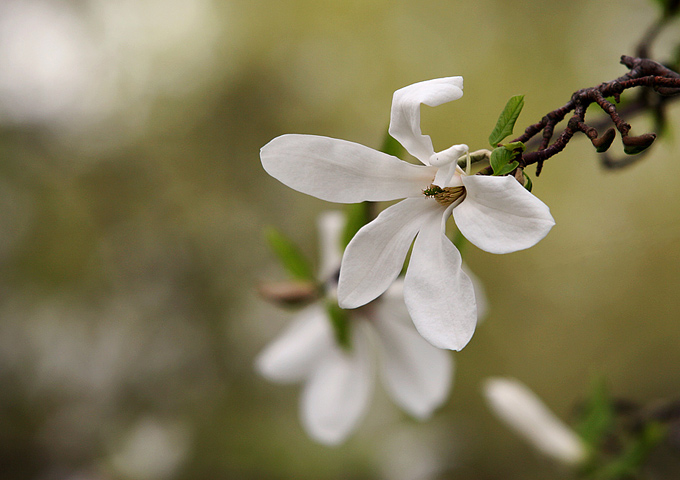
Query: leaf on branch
{"points": [[515, 146], [289, 254], [500, 161], [506, 121], [507, 168]]}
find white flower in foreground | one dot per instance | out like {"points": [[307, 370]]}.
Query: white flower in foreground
{"points": [[338, 382], [523, 411], [497, 214]]}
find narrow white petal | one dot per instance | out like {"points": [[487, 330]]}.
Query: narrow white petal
{"points": [[330, 226], [405, 116], [340, 171], [293, 355], [376, 254], [523, 411], [338, 392], [501, 216], [416, 374], [439, 295]]}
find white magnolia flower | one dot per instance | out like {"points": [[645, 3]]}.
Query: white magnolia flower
{"points": [[523, 411], [497, 214], [338, 382]]}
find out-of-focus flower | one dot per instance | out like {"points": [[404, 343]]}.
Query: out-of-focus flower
{"points": [[339, 380], [524, 412], [497, 214]]}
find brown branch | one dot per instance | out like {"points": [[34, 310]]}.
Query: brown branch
{"points": [[642, 72]]}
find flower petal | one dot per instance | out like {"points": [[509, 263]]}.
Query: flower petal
{"points": [[416, 374], [293, 355], [439, 295], [405, 116], [340, 171], [375, 256], [501, 216], [516, 405], [337, 394]]}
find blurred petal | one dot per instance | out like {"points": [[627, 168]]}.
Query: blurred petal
{"points": [[375, 256], [405, 117], [416, 374], [330, 226], [340, 171], [499, 215], [293, 355], [337, 394], [523, 411], [438, 294]]}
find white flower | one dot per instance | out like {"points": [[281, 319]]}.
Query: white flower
{"points": [[497, 214], [523, 411], [338, 382]]}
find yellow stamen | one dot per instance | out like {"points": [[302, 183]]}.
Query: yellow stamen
{"points": [[444, 196]]}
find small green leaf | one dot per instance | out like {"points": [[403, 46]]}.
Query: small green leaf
{"points": [[341, 323], [506, 121], [528, 184], [289, 254], [598, 415], [515, 146], [500, 157], [507, 169], [634, 455]]}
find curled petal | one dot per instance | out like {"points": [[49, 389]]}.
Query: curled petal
{"points": [[338, 392], [340, 171], [439, 295], [416, 374], [499, 215], [293, 355], [405, 117], [517, 406], [376, 254]]}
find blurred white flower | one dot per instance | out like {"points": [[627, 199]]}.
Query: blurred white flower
{"points": [[152, 450], [339, 381], [497, 214], [524, 412]]}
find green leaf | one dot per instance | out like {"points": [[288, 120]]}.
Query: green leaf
{"points": [[598, 416], [506, 121], [507, 169], [289, 254], [528, 184], [515, 146], [500, 157], [340, 322], [634, 454], [358, 215]]}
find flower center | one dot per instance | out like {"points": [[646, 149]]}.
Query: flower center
{"points": [[444, 196]]}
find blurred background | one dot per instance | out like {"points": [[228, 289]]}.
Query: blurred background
{"points": [[132, 203]]}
